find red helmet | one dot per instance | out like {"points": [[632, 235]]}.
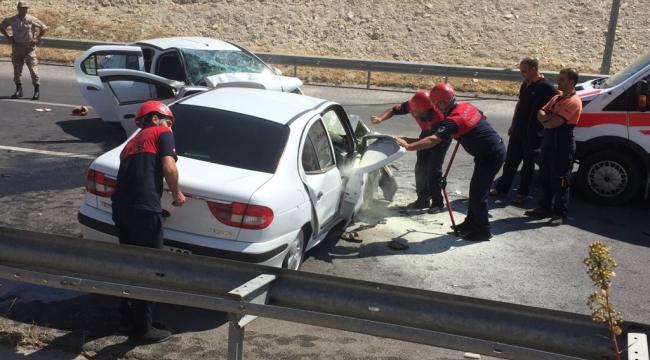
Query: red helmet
{"points": [[419, 103], [441, 92], [152, 106]]}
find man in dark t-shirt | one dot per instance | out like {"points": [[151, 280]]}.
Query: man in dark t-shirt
{"points": [[525, 131], [428, 166], [148, 157], [467, 124]]}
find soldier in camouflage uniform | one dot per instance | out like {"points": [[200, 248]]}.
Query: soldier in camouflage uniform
{"points": [[23, 46]]}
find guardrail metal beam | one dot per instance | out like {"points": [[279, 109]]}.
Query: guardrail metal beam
{"points": [[369, 66], [427, 317]]}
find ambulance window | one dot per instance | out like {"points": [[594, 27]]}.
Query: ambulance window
{"points": [[624, 102]]}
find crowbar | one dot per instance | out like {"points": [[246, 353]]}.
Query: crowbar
{"points": [[443, 185]]}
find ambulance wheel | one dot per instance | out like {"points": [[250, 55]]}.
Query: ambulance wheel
{"points": [[609, 178]]}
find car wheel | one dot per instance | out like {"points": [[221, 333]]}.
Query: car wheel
{"points": [[294, 257], [609, 178]]}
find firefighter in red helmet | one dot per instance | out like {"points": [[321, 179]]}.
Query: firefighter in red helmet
{"points": [[428, 166], [467, 124], [137, 211]]}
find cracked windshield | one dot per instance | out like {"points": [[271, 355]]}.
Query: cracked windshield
{"points": [[202, 63]]}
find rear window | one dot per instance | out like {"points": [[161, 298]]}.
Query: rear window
{"points": [[227, 138]]}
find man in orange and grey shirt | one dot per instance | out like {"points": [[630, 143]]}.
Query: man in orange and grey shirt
{"points": [[559, 117]]}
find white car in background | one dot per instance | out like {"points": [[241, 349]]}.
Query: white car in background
{"points": [[116, 79], [266, 175]]}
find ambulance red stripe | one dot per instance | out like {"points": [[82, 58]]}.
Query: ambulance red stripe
{"points": [[589, 120], [589, 93]]}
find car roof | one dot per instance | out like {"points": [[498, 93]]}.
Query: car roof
{"points": [[197, 43], [276, 106]]}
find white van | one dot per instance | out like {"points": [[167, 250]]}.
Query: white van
{"points": [[613, 135]]}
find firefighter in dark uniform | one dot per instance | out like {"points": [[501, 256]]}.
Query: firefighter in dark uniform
{"points": [[467, 124], [428, 166], [137, 212]]}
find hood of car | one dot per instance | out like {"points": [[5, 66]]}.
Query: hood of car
{"points": [[255, 80]]}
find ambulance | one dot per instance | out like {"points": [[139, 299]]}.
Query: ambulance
{"points": [[613, 136]]}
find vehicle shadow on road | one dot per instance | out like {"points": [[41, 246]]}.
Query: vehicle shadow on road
{"points": [[92, 130], [90, 323], [627, 223], [333, 247]]}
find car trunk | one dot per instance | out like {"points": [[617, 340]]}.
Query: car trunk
{"points": [[203, 182]]}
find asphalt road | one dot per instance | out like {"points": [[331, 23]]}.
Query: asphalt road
{"points": [[42, 176]]}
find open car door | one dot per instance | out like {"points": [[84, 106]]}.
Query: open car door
{"points": [[126, 90], [380, 150], [86, 69], [319, 174]]}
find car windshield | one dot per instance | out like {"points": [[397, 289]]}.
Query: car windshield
{"points": [[202, 63], [228, 138], [628, 71]]}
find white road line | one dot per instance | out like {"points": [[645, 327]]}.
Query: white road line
{"points": [[38, 103], [45, 152]]}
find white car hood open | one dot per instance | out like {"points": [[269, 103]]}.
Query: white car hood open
{"points": [[383, 151], [267, 81]]}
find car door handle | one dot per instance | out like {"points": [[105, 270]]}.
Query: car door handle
{"points": [[319, 195], [92, 88], [129, 116]]}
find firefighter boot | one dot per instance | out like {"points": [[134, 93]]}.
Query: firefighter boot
{"points": [[37, 93], [19, 92]]}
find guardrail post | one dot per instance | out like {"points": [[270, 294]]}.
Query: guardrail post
{"points": [[295, 71], [638, 346], [255, 291], [368, 81]]}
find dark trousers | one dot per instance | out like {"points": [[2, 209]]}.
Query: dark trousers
{"points": [[428, 170], [139, 228], [485, 169], [555, 176], [519, 150]]}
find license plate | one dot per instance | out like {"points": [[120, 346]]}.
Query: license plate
{"points": [[173, 249]]}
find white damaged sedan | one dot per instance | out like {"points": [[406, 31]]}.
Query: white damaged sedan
{"points": [[266, 175], [116, 79]]}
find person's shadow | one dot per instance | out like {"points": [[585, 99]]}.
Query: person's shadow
{"points": [[89, 323]]}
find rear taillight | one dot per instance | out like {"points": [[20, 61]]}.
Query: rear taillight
{"points": [[98, 184], [245, 216]]}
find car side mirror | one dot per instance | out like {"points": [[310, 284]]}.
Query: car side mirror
{"points": [[642, 95], [277, 71]]}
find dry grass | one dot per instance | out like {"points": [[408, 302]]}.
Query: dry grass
{"points": [[33, 336], [89, 28]]}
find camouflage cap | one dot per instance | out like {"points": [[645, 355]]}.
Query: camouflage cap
{"points": [[23, 4]]}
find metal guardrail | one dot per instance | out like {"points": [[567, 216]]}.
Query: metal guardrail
{"points": [[426, 317], [369, 66]]}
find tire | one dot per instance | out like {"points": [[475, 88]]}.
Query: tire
{"points": [[296, 253], [609, 178]]}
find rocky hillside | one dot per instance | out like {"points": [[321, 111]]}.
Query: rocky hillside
{"points": [[484, 33]]}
